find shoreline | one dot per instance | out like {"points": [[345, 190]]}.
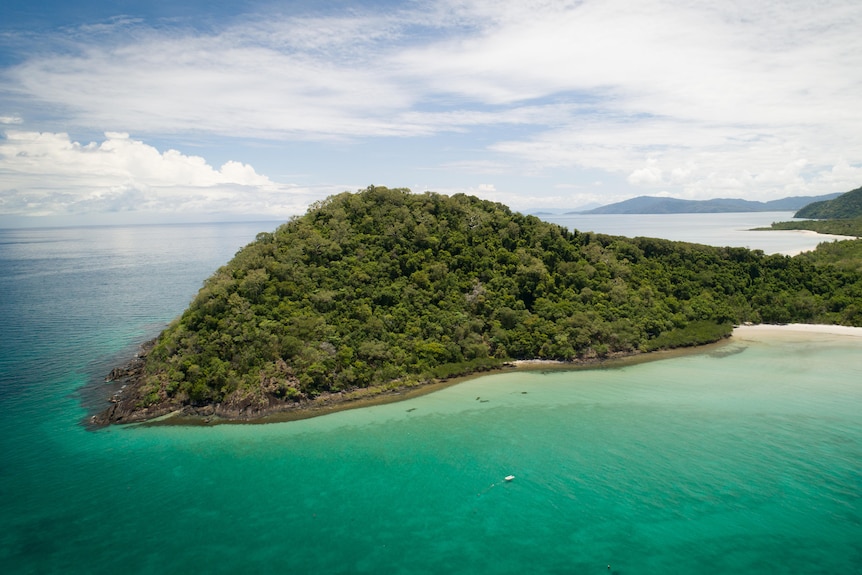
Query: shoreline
{"points": [[767, 330], [125, 379], [367, 397], [822, 237]]}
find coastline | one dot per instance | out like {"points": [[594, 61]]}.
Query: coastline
{"points": [[760, 332], [208, 415], [126, 380], [822, 237]]}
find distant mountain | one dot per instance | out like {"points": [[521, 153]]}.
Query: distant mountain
{"points": [[658, 205], [563, 211], [845, 206], [549, 211]]}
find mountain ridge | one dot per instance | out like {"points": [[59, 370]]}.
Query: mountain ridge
{"points": [[662, 205]]}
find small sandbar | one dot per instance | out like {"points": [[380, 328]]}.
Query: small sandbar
{"points": [[538, 363]]}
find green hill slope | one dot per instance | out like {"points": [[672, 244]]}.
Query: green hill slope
{"points": [[845, 206], [385, 288]]}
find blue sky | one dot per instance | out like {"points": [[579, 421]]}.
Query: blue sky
{"points": [[129, 111]]}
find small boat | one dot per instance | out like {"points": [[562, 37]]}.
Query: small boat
{"points": [[509, 477]]}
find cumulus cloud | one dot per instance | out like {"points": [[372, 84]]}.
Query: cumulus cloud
{"points": [[711, 98], [49, 174], [649, 175], [755, 99]]}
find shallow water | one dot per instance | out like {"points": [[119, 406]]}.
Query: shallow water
{"points": [[745, 457]]}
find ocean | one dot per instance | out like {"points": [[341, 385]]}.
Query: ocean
{"points": [[742, 457]]}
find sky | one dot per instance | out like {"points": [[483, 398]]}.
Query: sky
{"points": [[150, 111]]}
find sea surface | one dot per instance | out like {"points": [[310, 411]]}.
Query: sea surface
{"points": [[744, 457], [731, 229]]}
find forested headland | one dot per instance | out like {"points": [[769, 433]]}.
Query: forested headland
{"points": [[841, 216], [846, 206], [839, 227], [386, 289]]}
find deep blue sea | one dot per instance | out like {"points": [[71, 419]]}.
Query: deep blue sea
{"points": [[742, 458]]}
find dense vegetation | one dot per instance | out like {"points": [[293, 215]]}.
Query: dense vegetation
{"points": [[389, 287], [847, 227], [841, 216], [842, 255], [847, 205]]}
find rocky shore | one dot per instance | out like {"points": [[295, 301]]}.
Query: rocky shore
{"points": [[125, 404]]}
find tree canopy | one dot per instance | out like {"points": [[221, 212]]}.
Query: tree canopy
{"points": [[847, 205], [388, 287], [840, 227]]}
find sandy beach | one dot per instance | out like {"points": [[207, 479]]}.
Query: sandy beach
{"points": [[762, 332], [823, 238]]}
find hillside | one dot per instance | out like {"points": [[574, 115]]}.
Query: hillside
{"points": [[845, 206], [659, 205], [839, 227], [387, 289]]}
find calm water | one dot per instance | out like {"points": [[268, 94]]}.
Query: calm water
{"points": [[734, 229], [744, 458]]}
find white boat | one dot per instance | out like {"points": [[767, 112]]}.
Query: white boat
{"points": [[509, 477]]}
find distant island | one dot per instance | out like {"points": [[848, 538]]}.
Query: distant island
{"points": [[660, 205], [384, 290]]}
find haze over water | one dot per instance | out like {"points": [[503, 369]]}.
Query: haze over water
{"points": [[744, 457]]}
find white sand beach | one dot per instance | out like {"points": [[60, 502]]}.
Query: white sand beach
{"points": [[748, 332], [536, 362], [821, 238], [793, 330]]}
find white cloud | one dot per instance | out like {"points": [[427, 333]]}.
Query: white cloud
{"points": [[705, 99], [650, 175], [365, 74], [49, 174], [711, 98], [842, 176]]}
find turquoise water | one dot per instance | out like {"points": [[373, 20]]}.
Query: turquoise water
{"points": [[743, 458]]}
